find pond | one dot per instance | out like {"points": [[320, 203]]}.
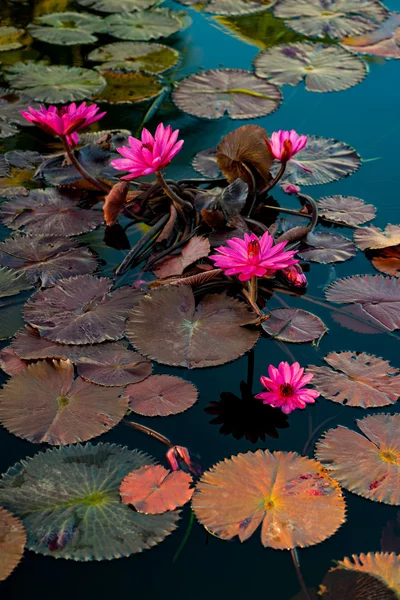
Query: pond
{"points": [[325, 69]]}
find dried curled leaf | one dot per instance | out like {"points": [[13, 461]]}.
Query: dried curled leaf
{"points": [[196, 248], [114, 201]]}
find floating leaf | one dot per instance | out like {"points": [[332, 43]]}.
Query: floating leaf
{"points": [[323, 68], [205, 162], [56, 83], [337, 19], [10, 318], [145, 25], [12, 283], [135, 56], [294, 325], [66, 516], [67, 28], [353, 317], [113, 365], [374, 238], [275, 489], [160, 396], [45, 404], [326, 248], [231, 7], [10, 362], [328, 160], [388, 261], [81, 310], [11, 103], [12, 543], [4, 167], [196, 248], [118, 6], [154, 490], [211, 94], [24, 159], [383, 41], [346, 209], [375, 474], [339, 584], [10, 38], [360, 379], [48, 211], [198, 336], [379, 297], [382, 565], [125, 88]]}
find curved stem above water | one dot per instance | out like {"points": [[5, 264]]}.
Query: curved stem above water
{"points": [[104, 187], [180, 204]]}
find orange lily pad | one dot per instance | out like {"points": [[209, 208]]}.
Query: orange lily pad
{"points": [[12, 542], [161, 395], [383, 565]]}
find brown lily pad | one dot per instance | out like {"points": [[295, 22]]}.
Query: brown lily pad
{"points": [[327, 248], [294, 325], [113, 365], [196, 248], [340, 584], [12, 542], [373, 238], [383, 565], [161, 395], [346, 209], [388, 261], [10, 362]]}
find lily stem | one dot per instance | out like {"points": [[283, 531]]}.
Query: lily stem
{"points": [[150, 432], [253, 289], [104, 187], [178, 202], [299, 574]]}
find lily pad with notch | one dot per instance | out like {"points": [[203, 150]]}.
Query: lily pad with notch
{"points": [[67, 28], [323, 247], [161, 395], [135, 56], [347, 210], [373, 238], [146, 25], [294, 325], [126, 88]]}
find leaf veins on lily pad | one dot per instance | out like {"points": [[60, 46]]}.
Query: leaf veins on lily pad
{"points": [[11, 103], [65, 411], [48, 211], [324, 247], [155, 490], [323, 68], [135, 56], [346, 209], [272, 489], [383, 565], [294, 325], [125, 88], [374, 238], [12, 542], [369, 464], [66, 516], [239, 93], [81, 310], [383, 41], [205, 163], [145, 25], [340, 584], [161, 395], [10, 362], [67, 28], [357, 379], [198, 336], [113, 365], [231, 7], [118, 6], [12, 283]]}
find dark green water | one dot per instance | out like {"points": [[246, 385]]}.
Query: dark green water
{"points": [[366, 117]]}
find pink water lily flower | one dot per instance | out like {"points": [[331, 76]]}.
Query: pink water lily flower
{"points": [[64, 121], [253, 256], [286, 387], [149, 154], [177, 455], [290, 188], [283, 145]]}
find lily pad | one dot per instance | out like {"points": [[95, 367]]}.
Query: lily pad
{"points": [[10, 317], [125, 88], [54, 84], [388, 261], [10, 362], [373, 238], [346, 209], [118, 6], [383, 565], [10, 38], [135, 56], [327, 248], [335, 18], [323, 68], [67, 28], [12, 283], [275, 489], [48, 211], [197, 336], [376, 472], [205, 163], [24, 159], [357, 379], [12, 542], [341, 584], [45, 259], [161, 395], [144, 25], [81, 310], [239, 93], [378, 296], [64, 517], [294, 325], [11, 103], [231, 7], [383, 41], [113, 365], [196, 248]]}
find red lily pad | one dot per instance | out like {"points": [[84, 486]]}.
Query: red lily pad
{"points": [[327, 248], [46, 259], [48, 211], [372, 238], [294, 325], [10, 362], [383, 41], [113, 365], [161, 395], [81, 310], [196, 248], [198, 336], [154, 490], [12, 542], [346, 209], [45, 404]]}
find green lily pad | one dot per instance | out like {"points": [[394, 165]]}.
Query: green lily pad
{"points": [[10, 317], [118, 6], [135, 56], [10, 38], [231, 7], [69, 502], [11, 103], [12, 283], [125, 88], [56, 83], [145, 25], [67, 28]]}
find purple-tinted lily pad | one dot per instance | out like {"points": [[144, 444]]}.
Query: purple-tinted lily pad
{"points": [[81, 310], [161, 395], [346, 209], [46, 259], [326, 248], [380, 42], [373, 238], [10, 362], [205, 162], [294, 325], [113, 365], [169, 328], [48, 212]]}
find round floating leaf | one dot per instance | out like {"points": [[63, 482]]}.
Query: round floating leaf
{"points": [[340, 584], [12, 543], [346, 209], [45, 404], [380, 42], [10, 362], [125, 88], [231, 7], [357, 380], [48, 212], [161, 395], [118, 6], [205, 162], [326, 248], [10, 38], [135, 56], [11, 103], [323, 68], [46, 259], [379, 297], [294, 325], [388, 261], [198, 336], [383, 565], [375, 474], [296, 502], [353, 317], [56, 83], [240, 94], [12, 283], [68, 499], [337, 19], [145, 25], [81, 310], [10, 318], [328, 160], [67, 28], [373, 238], [154, 490], [113, 365], [24, 159]]}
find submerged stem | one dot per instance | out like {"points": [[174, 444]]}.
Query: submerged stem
{"points": [[151, 432], [104, 187], [299, 574]]}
